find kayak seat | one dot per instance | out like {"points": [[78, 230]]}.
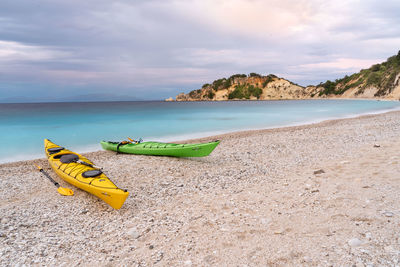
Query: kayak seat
{"points": [[54, 150], [91, 173], [59, 156]]}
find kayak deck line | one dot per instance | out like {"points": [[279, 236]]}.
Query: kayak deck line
{"points": [[95, 183], [161, 148]]}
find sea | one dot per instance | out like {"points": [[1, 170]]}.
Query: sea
{"points": [[81, 126]]}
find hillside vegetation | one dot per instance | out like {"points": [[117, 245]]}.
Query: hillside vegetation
{"points": [[382, 77], [379, 81]]}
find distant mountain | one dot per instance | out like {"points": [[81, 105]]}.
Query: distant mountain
{"points": [[77, 98], [100, 97], [379, 81]]}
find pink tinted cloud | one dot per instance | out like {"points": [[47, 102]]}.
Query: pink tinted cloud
{"points": [[341, 64], [255, 18]]}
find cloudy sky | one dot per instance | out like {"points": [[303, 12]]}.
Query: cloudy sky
{"points": [[153, 49]]}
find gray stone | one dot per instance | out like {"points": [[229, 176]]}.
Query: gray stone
{"points": [[388, 214], [368, 236], [355, 242], [133, 233]]}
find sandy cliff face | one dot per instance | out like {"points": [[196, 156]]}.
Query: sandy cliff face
{"points": [[271, 87], [251, 88], [283, 89], [379, 81], [395, 94]]}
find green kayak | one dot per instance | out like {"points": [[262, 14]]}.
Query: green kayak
{"points": [[161, 149]]}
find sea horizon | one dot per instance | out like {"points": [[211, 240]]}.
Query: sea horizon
{"points": [[191, 101]]}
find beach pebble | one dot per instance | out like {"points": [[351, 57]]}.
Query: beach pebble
{"points": [[159, 256], [265, 220], [368, 236], [355, 242], [365, 251], [377, 145], [388, 214], [133, 233], [188, 263], [320, 171], [279, 232]]}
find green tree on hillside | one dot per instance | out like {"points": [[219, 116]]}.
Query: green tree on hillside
{"points": [[217, 84], [245, 92], [237, 76]]}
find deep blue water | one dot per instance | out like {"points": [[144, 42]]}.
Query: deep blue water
{"points": [[81, 126]]}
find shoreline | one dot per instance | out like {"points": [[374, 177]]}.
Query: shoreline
{"points": [[318, 194], [321, 98], [229, 133]]}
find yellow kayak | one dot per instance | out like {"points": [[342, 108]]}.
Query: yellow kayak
{"points": [[80, 172]]}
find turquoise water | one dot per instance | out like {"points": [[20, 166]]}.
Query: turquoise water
{"points": [[81, 126]]}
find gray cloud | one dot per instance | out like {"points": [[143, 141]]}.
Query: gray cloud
{"points": [[159, 48]]}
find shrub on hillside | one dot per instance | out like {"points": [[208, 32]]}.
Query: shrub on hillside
{"points": [[237, 93], [237, 76], [267, 81], [374, 79], [192, 93], [329, 88], [218, 83], [245, 92], [226, 84], [376, 67], [254, 91]]}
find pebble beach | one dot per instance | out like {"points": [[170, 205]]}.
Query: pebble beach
{"points": [[324, 194]]}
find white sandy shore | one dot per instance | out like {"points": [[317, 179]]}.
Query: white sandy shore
{"points": [[254, 201]]}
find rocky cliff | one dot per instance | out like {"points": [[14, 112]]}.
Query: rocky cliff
{"points": [[379, 81]]}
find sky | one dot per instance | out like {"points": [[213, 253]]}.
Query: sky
{"points": [[153, 49]]}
